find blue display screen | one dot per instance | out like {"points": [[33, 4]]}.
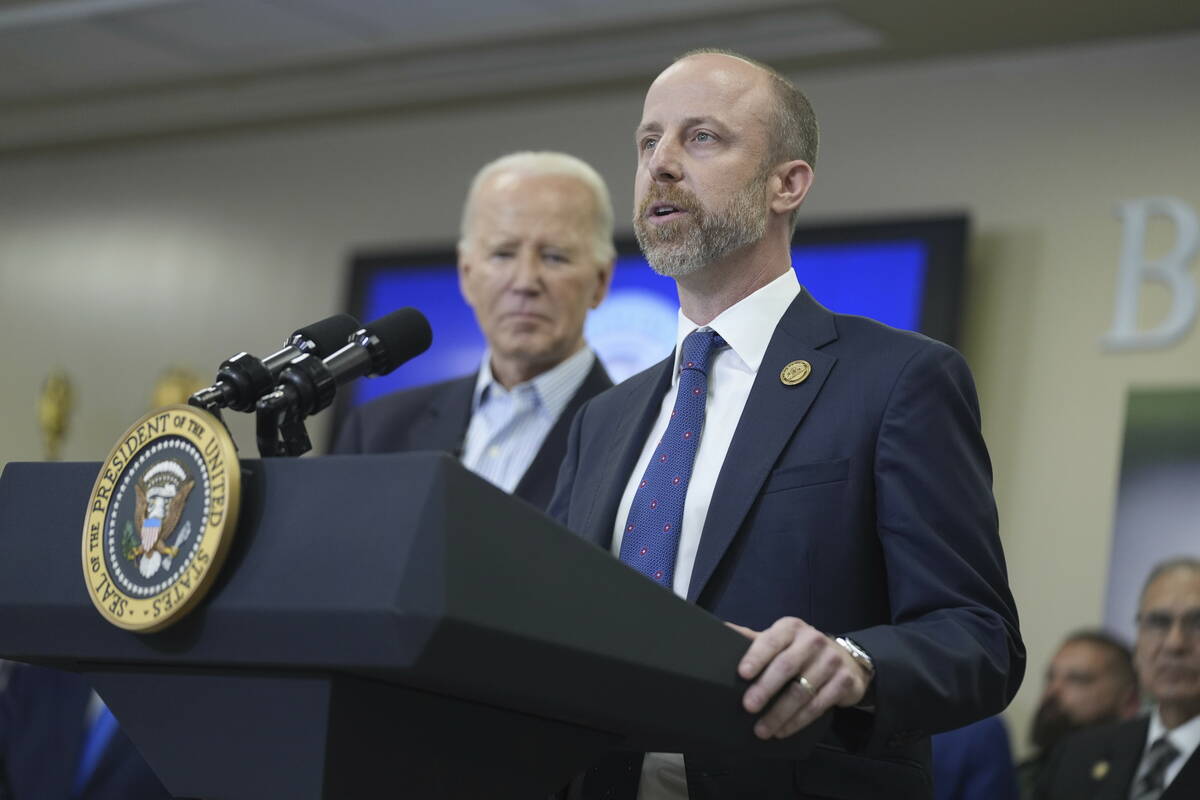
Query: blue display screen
{"points": [[634, 327]]}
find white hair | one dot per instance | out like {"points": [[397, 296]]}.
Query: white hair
{"points": [[547, 162]]}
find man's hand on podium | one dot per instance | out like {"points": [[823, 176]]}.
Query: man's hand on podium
{"points": [[808, 671]]}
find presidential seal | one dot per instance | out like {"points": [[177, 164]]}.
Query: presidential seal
{"points": [[161, 518]]}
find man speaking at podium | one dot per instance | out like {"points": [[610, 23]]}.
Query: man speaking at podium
{"points": [[817, 480], [536, 253]]}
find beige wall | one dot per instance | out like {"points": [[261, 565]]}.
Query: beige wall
{"points": [[106, 256]]}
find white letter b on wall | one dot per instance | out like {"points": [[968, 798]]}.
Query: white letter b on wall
{"points": [[1171, 271]]}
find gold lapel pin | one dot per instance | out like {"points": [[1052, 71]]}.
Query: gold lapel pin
{"points": [[795, 372], [1099, 770]]}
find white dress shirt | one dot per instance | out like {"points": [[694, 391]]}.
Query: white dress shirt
{"points": [[1185, 738], [747, 326], [508, 426]]}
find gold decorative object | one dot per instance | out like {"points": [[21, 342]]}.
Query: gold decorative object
{"points": [[174, 387], [161, 517], [55, 405], [795, 372]]}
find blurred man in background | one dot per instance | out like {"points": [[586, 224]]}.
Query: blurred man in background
{"points": [[58, 741], [1151, 757], [1090, 681], [974, 763], [536, 254]]}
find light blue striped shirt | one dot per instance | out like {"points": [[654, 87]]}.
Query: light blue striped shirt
{"points": [[508, 426]]}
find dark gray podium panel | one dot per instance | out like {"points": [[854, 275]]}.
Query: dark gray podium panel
{"points": [[403, 574], [219, 735]]}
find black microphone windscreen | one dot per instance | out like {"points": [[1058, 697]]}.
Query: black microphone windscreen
{"points": [[329, 334], [404, 334]]}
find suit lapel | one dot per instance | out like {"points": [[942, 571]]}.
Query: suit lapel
{"points": [[772, 413], [117, 750], [72, 703], [538, 480], [1114, 771], [448, 413], [1186, 785], [644, 392]]}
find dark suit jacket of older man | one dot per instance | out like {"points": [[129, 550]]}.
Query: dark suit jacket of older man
{"points": [[436, 417], [1101, 763], [859, 501]]}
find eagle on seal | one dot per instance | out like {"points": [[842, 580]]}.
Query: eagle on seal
{"points": [[161, 495]]}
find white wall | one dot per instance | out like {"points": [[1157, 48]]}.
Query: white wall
{"points": [[115, 263]]}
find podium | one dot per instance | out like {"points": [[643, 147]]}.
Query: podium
{"points": [[383, 624]]}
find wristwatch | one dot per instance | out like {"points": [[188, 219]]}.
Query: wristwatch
{"points": [[860, 657], [858, 654]]}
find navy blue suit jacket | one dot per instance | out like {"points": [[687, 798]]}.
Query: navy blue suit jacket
{"points": [[41, 736], [974, 763], [859, 501], [435, 417]]}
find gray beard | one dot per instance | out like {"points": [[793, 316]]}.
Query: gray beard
{"points": [[683, 248]]}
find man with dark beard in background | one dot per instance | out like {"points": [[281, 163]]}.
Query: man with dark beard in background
{"points": [[1089, 681]]}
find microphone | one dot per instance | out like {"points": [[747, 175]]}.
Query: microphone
{"points": [[243, 379], [307, 384]]}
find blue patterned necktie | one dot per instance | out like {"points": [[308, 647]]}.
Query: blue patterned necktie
{"points": [[651, 538]]}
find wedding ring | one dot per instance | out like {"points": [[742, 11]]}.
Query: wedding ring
{"points": [[807, 686]]}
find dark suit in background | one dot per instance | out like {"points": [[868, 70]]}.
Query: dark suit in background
{"points": [[42, 719], [436, 418], [1101, 763], [859, 501], [974, 763]]}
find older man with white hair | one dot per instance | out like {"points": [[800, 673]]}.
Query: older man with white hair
{"points": [[535, 254]]}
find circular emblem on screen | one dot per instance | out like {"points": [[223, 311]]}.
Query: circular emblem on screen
{"points": [[795, 372], [160, 518]]}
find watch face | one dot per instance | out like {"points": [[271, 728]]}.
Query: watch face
{"points": [[857, 653]]}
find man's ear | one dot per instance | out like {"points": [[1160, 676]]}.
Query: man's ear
{"points": [[464, 272], [606, 274], [794, 180]]}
